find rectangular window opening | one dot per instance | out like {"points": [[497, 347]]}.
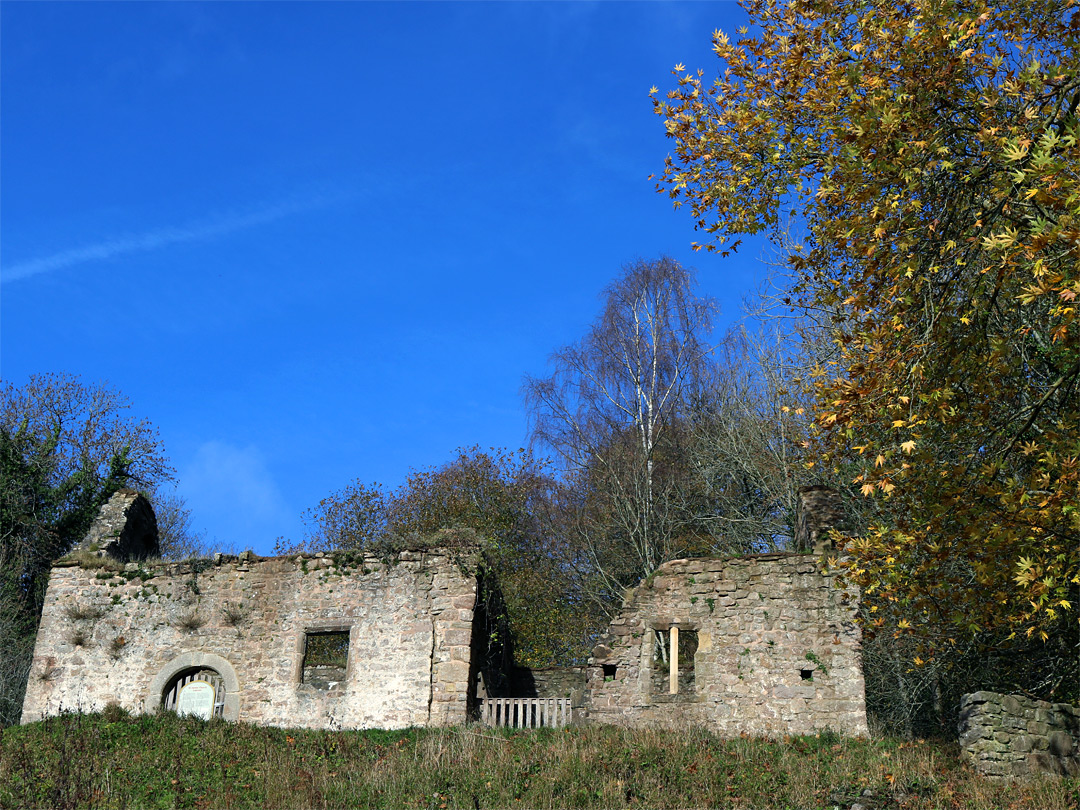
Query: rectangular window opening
{"points": [[677, 680], [806, 674], [609, 671], [326, 658]]}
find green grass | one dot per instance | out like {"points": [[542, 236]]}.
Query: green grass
{"points": [[174, 762]]}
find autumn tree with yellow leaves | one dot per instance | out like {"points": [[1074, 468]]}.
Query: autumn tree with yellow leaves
{"points": [[928, 150]]}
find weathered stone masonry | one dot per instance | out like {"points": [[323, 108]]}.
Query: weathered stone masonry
{"points": [[123, 636], [1014, 736], [125, 528], [773, 649], [759, 645]]}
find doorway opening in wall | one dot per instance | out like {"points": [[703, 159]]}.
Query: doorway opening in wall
{"points": [[678, 643], [199, 691], [326, 658]]}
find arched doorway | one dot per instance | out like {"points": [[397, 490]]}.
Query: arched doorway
{"points": [[201, 668], [204, 701]]}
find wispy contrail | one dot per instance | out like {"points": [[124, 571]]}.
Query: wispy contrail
{"points": [[154, 239]]}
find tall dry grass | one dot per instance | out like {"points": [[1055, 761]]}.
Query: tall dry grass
{"points": [[172, 762]]}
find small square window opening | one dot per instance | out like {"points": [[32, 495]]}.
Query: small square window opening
{"points": [[326, 658]]}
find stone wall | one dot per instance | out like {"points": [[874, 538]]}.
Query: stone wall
{"points": [[125, 528], [818, 509], [123, 633], [770, 646], [1010, 735], [548, 682]]}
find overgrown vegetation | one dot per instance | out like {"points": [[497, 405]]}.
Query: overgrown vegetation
{"points": [[113, 761], [505, 499], [327, 650], [927, 154], [65, 447]]}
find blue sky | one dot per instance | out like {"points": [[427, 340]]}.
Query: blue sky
{"points": [[315, 242]]}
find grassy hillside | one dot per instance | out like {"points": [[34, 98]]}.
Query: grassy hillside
{"points": [[169, 762]]}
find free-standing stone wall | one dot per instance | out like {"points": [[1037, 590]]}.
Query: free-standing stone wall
{"points": [[125, 528], [116, 633], [1015, 736], [768, 644], [819, 509]]}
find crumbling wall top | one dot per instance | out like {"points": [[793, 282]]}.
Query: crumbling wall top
{"points": [[125, 528], [818, 509]]}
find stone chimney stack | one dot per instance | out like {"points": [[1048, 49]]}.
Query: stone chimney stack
{"points": [[818, 509], [125, 528]]}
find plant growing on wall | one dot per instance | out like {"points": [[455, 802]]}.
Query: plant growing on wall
{"points": [[190, 621], [233, 614]]}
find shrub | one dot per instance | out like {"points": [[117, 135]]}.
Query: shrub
{"points": [[190, 621], [78, 612]]}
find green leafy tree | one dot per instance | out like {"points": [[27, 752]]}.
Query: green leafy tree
{"points": [[507, 499], [65, 448]]}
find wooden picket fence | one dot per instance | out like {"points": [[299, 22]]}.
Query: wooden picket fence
{"points": [[526, 712]]}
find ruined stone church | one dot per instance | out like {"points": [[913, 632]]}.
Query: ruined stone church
{"points": [[765, 644]]}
